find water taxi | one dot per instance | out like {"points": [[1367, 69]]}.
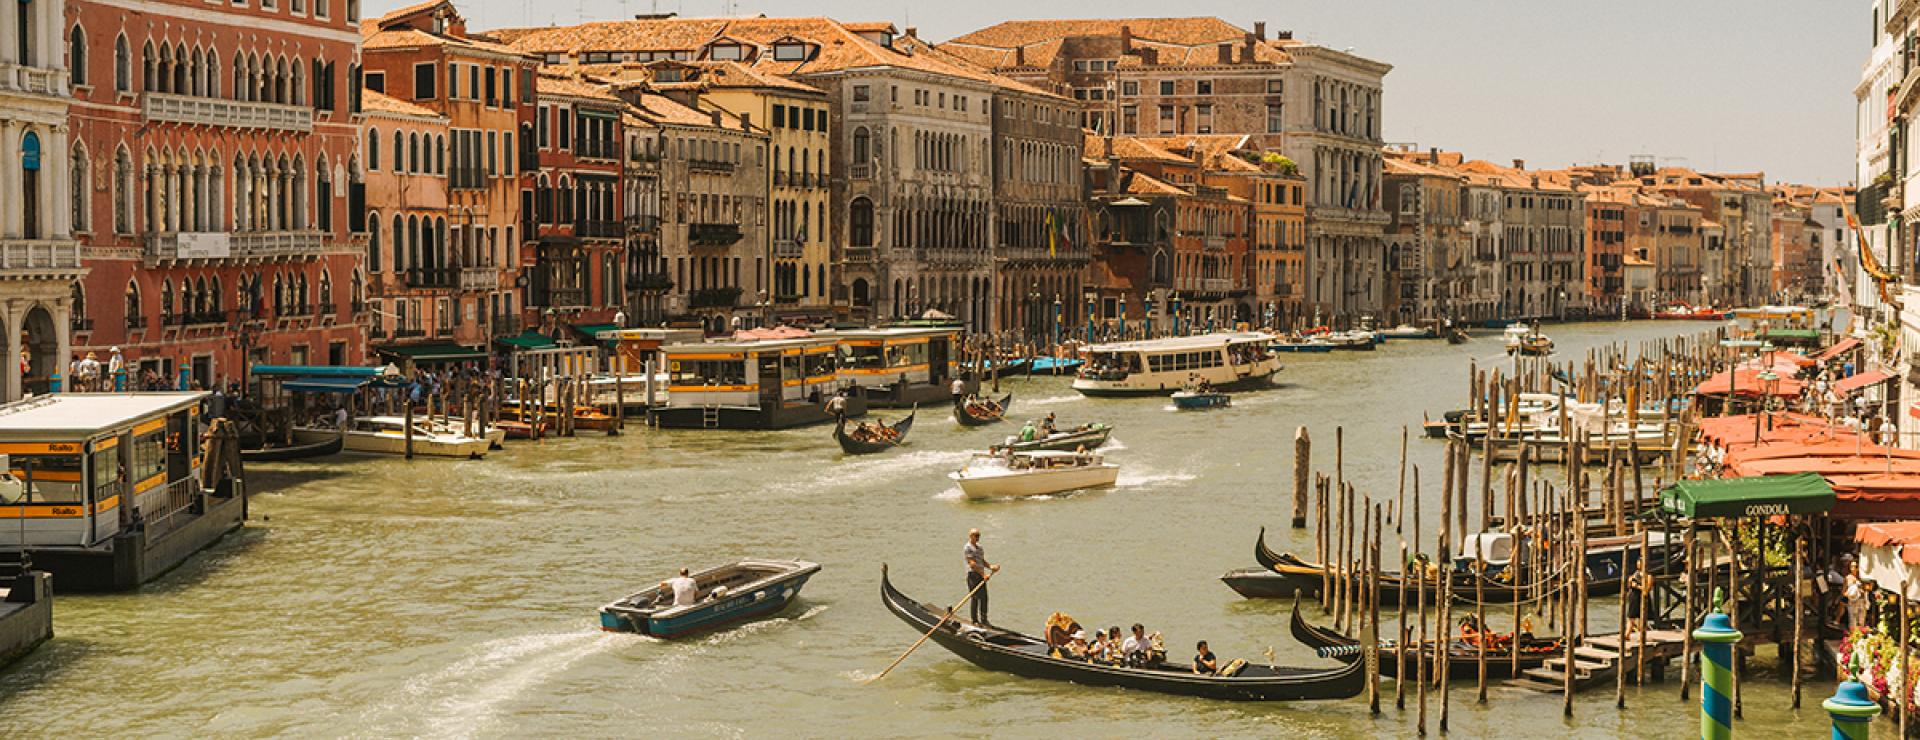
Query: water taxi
{"points": [[753, 384], [387, 435], [107, 491], [1197, 399], [1037, 473], [898, 367], [728, 594], [1225, 360]]}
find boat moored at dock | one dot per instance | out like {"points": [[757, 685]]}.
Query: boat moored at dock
{"points": [[753, 384], [1157, 367], [387, 435], [900, 366], [725, 595]]}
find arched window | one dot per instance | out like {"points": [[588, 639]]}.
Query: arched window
{"points": [[166, 299], [213, 294], [413, 153], [326, 292], [30, 184], [373, 242], [440, 155], [80, 176], [860, 223], [373, 149], [77, 55], [122, 192], [132, 306], [399, 237], [399, 150]]}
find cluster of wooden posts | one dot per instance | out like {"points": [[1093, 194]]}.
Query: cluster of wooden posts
{"points": [[1552, 523], [547, 402]]}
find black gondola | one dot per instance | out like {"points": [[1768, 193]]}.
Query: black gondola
{"points": [[853, 446], [1011, 652], [1462, 658], [321, 448], [967, 418]]}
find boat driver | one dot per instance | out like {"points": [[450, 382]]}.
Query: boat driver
{"points": [[685, 590]]}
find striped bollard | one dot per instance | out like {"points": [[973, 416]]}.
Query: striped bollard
{"points": [[1717, 636], [1851, 710]]}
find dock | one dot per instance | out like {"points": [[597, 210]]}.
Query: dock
{"points": [[1597, 657], [26, 611]]}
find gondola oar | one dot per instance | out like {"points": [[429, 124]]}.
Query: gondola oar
{"points": [[936, 628]]}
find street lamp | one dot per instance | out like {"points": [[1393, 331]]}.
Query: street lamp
{"points": [[1769, 382], [1146, 324], [1179, 320]]}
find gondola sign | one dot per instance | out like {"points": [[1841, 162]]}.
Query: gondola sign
{"points": [[1767, 510]]}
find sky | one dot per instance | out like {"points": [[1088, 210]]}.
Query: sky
{"points": [[1716, 85]]}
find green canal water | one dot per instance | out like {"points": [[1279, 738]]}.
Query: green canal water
{"points": [[375, 597]]}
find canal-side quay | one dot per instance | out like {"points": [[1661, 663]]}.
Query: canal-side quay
{"points": [[376, 596]]}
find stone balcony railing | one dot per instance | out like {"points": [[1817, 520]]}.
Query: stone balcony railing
{"points": [[860, 171], [167, 108], [251, 245], [39, 257], [479, 278], [787, 248], [1216, 285], [1216, 243], [16, 78]]}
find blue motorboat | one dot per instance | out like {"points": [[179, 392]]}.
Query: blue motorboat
{"points": [[1054, 366], [1188, 399], [1304, 345], [726, 595]]}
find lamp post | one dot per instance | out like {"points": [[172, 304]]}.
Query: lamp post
{"points": [[1146, 324], [1179, 320], [1058, 317], [1088, 317], [1769, 382]]}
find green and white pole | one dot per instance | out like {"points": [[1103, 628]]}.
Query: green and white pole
{"points": [[1851, 710], [1717, 636]]}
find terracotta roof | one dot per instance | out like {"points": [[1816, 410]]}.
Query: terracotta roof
{"points": [[555, 82], [920, 47], [662, 110], [1129, 148], [1400, 166], [378, 102], [408, 38], [1197, 30], [1140, 184], [408, 10]]}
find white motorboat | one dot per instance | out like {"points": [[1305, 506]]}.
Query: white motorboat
{"points": [[494, 435], [386, 435], [1034, 473]]}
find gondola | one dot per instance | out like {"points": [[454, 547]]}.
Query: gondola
{"points": [[853, 446], [1007, 651], [968, 419], [322, 448], [1462, 657]]}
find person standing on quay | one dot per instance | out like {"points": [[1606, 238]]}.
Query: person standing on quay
{"points": [[978, 571]]}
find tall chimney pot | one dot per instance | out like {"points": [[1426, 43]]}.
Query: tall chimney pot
{"points": [[1019, 56], [1126, 39], [1260, 30], [1519, 164]]}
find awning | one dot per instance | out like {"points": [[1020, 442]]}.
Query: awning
{"points": [[1858, 381], [528, 339], [433, 352], [1769, 495], [1747, 383], [313, 371], [1839, 348], [1888, 552], [592, 331], [325, 384]]}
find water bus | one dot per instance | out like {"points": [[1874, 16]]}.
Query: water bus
{"points": [[106, 491], [898, 367], [763, 384], [1225, 360]]}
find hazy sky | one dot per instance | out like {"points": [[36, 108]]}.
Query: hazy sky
{"points": [[1711, 84]]}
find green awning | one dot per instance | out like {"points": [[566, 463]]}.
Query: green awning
{"points": [[592, 331], [528, 339], [314, 371], [433, 352], [322, 384], [1794, 335], [1766, 495]]}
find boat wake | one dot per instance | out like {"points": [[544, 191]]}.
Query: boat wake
{"points": [[464, 699], [755, 627], [1050, 400], [1141, 480]]}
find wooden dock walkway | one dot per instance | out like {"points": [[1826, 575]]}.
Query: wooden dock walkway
{"points": [[1598, 656]]}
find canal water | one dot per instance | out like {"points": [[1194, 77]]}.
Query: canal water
{"points": [[377, 597]]}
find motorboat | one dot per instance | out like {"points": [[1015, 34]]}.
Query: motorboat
{"points": [[1355, 340], [1199, 399], [1527, 341], [1014, 474], [387, 435], [1409, 331], [321, 447], [727, 595], [1086, 436]]}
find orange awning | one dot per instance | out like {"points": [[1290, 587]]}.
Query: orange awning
{"points": [[1839, 348], [1903, 535], [1746, 382], [1858, 381]]}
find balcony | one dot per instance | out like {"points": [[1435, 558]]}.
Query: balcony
{"points": [[39, 258], [195, 318], [434, 278], [505, 325], [653, 282], [409, 333], [135, 323], [1216, 285], [168, 108], [861, 171], [248, 245], [479, 278], [1216, 243], [860, 255], [17, 79], [714, 297], [599, 229], [590, 149], [787, 248], [713, 166], [79, 324], [642, 224], [713, 235], [1283, 290], [953, 256]]}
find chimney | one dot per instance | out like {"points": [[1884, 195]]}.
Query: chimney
{"points": [[746, 120], [1283, 35], [1113, 172], [1433, 155], [1246, 56], [1226, 53], [715, 115], [1519, 164], [1019, 56], [1126, 39], [913, 32], [1260, 30]]}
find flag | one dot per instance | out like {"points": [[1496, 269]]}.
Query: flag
{"points": [[1052, 236]]}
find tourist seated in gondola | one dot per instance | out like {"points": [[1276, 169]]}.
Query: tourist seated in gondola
{"points": [[1203, 661], [1101, 649], [1137, 648], [1077, 647]]}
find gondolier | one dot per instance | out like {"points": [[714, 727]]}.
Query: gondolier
{"points": [[978, 571], [959, 389], [838, 405]]}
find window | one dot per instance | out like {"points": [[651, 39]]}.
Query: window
{"points": [[122, 193], [375, 81], [1166, 119], [1166, 87], [320, 8], [724, 53], [493, 87], [77, 55], [806, 116], [373, 150], [540, 122], [566, 128], [1276, 87], [353, 11], [123, 66], [1274, 123], [453, 81], [779, 116], [1203, 87], [473, 81], [423, 82], [789, 52], [861, 93], [80, 175]]}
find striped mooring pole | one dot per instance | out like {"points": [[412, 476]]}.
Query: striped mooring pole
{"points": [[1717, 636], [1851, 710]]}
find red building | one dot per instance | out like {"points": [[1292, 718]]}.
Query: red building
{"points": [[220, 140], [575, 238]]}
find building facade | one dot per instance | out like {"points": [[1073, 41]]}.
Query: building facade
{"points": [[222, 195], [44, 182], [406, 187], [575, 232]]}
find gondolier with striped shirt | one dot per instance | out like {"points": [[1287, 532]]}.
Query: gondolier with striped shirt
{"points": [[978, 571]]}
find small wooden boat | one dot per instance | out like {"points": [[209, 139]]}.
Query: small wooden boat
{"points": [[387, 435], [517, 429], [1200, 399], [1015, 474], [894, 436], [584, 417], [1300, 345], [728, 594], [299, 451], [1011, 366], [1525, 341], [1457, 335], [1462, 655], [1006, 651], [993, 411], [1088, 436]]}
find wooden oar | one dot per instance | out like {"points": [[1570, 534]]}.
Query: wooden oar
{"points": [[936, 628]]}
